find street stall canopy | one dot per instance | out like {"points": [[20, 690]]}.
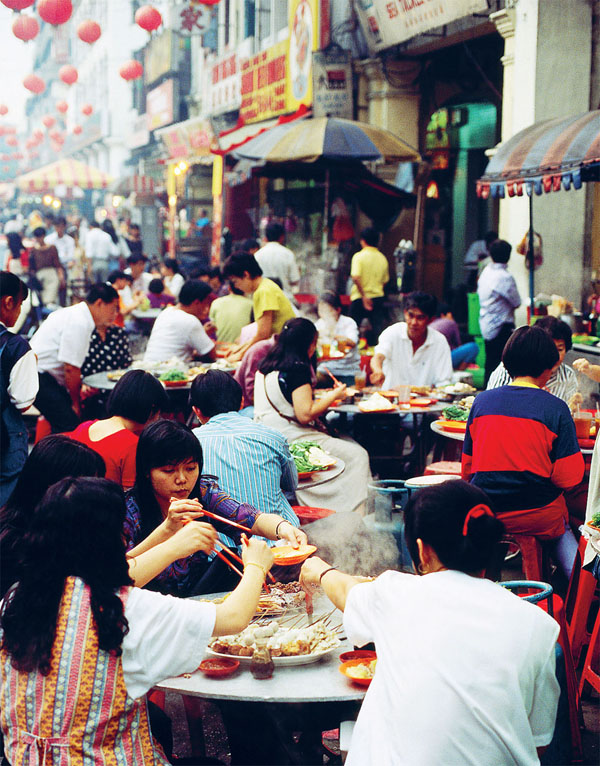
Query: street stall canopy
{"points": [[68, 172], [546, 156]]}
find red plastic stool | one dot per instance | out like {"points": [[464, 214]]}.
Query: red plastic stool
{"points": [[589, 675], [42, 428], [306, 514], [578, 601], [531, 554], [443, 467]]}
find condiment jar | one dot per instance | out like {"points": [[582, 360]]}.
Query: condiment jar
{"points": [[261, 665]]}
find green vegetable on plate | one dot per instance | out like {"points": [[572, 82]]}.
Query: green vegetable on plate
{"points": [[173, 375], [456, 412]]}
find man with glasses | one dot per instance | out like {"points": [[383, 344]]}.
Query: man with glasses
{"points": [[411, 352]]}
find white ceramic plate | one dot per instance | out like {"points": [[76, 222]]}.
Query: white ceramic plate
{"points": [[297, 659]]}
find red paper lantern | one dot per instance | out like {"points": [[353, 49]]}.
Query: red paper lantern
{"points": [[77, 129], [17, 5], [87, 109], [2, 131], [148, 18], [131, 70], [62, 107], [3, 109], [48, 120], [5, 157], [208, 2], [25, 27], [68, 74], [38, 135], [55, 11], [12, 141], [89, 31], [34, 83]]}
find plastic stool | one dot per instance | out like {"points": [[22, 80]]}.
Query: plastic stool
{"points": [[306, 514], [42, 428], [580, 595], [588, 674], [443, 467], [531, 553]]}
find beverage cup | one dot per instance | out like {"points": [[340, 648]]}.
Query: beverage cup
{"points": [[403, 394], [325, 349], [360, 380], [583, 421]]}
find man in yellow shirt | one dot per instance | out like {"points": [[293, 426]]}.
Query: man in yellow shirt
{"points": [[370, 273], [271, 307]]}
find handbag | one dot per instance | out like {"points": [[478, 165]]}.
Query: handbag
{"points": [[319, 424]]}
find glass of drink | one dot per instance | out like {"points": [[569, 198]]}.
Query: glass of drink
{"points": [[583, 421], [403, 394], [325, 349], [360, 380]]}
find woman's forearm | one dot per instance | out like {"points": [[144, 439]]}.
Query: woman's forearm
{"points": [[144, 566], [238, 609], [157, 536]]}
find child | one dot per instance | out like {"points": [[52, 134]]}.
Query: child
{"points": [[157, 296], [18, 384]]}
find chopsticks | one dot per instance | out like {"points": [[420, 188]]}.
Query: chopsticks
{"points": [[239, 560], [226, 521], [332, 376]]}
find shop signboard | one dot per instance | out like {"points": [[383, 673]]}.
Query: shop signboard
{"points": [[159, 57], [160, 105], [263, 84], [224, 87], [303, 39], [190, 17], [332, 84], [139, 134], [389, 22], [188, 140]]}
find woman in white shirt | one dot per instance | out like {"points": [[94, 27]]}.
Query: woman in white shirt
{"points": [[335, 328], [465, 669], [172, 276]]}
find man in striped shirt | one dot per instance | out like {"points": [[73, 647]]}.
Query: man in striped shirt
{"points": [[563, 381], [253, 462]]}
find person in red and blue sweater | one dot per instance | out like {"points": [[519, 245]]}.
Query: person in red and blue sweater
{"points": [[521, 447]]}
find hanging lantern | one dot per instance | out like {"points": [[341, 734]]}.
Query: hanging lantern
{"points": [[5, 157], [62, 107], [34, 83], [68, 74], [17, 5], [25, 27], [207, 2], [55, 11], [77, 130], [38, 135], [87, 109], [131, 70], [48, 120], [148, 18], [12, 141], [89, 31], [3, 109], [2, 131]]}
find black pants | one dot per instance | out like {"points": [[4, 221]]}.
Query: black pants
{"points": [[376, 317], [494, 348], [55, 404]]}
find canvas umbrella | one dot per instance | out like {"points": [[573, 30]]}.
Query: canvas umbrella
{"points": [[330, 139], [547, 156]]}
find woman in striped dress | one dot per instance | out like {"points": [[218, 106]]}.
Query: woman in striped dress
{"points": [[80, 647]]}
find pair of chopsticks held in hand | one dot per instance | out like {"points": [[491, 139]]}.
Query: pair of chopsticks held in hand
{"points": [[222, 548]]}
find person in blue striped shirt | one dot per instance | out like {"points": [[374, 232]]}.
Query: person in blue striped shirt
{"points": [[252, 462]]}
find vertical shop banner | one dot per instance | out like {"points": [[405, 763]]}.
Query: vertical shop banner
{"points": [[388, 22], [332, 84], [217, 211], [303, 40]]}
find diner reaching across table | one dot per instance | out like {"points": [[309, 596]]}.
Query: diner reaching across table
{"points": [[284, 400], [270, 305], [339, 332], [137, 399], [61, 345], [74, 680], [169, 492], [178, 331], [410, 352], [521, 447], [479, 660], [252, 461]]}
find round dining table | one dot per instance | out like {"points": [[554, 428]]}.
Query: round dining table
{"points": [[436, 427], [322, 477]]}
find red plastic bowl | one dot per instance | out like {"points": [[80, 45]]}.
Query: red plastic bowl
{"points": [[358, 654], [219, 667]]}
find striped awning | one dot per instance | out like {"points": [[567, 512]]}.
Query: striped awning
{"points": [[67, 172], [545, 157]]}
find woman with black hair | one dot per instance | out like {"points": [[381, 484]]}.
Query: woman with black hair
{"points": [[172, 276], [481, 659], [283, 399], [169, 492], [74, 679], [137, 399]]}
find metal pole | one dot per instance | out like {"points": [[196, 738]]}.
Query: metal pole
{"points": [[530, 257]]}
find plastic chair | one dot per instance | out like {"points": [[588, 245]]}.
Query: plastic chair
{"points": [[306, 514], [443, 467], [580, 595], [541, 594], [42, 429], [590, 675]]}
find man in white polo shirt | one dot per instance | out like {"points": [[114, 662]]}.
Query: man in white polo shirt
{"points": [[278, 261], [410, 352], [61, 345], [178, 330]]}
